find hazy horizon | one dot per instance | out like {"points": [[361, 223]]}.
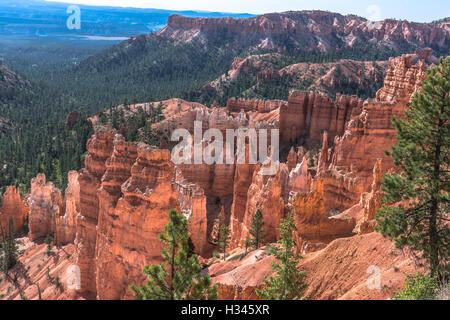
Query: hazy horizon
{"points": [[417, 11]]}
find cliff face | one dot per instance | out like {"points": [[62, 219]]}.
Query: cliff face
{"points": [[403, 78], [130, 221], [51, 214], [370, 132], [113, 210], [266, 193], [100, 147], [66, 224], [318, 30], [308, 114], [13, 206], [46, 205], [339, 200]]}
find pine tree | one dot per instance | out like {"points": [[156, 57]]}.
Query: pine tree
{"points": [[180, 277], [417, 201], [48, 241], [288, 282], [9, 247], [247, 243], [257, 229], [224, 239]]}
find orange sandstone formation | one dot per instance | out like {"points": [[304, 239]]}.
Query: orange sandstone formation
{"points": [[13, 206], [46, 205], [115, 207]]}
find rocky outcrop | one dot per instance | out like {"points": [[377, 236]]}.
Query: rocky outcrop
{"points": [[403, 78], [300, 178], [50, 214], [323, 157], [362, 78], [313, 221], [46, 205], [243, 178], [115, 208], [130, 222], [192, 202], [355, 268], [66, 224], [308, 114], [371, 201], [266, 193], [72, 118], [238, 279], [100, 147], [13, 206], [370, 132], [316, 30]]}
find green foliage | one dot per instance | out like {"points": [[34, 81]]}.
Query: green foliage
{"points": [[270, 249], [9, 247], [136, 125], [247, 243], [417, 287], [223, 234], [148, 65], [40, 142], [288, 283], [257, 230], [180, 277], [417, 201], [48, 241], [224, 239]]}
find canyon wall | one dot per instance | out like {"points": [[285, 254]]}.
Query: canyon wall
{"points": [[308, 30], [114, 209], [308, 114], [13, 206], [132, 214], [336, 199]]}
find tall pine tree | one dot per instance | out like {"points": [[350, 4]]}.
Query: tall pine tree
{"points": [[224, 240], [180, 277], [9, 247], [417, 201], [288, 283], [257, 229]]}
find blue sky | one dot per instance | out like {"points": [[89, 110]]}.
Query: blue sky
{"points": [[413, 10]]}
